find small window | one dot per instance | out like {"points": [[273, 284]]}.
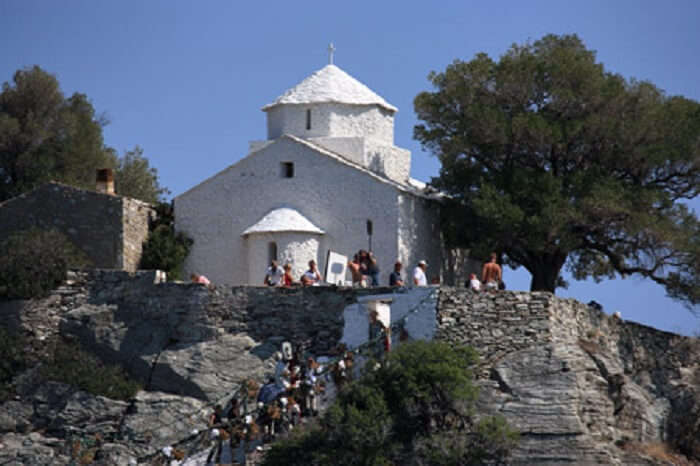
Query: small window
{"points": [[271, 251], [287, 169], [308, 119]]}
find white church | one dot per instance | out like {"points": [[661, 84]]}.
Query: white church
{"points": [[327, 176]]}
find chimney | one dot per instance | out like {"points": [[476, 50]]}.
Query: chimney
{"points": [[105, 181]]}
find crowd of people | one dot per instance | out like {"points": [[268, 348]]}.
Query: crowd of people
{"points": [[364, 271], [290, 396]]}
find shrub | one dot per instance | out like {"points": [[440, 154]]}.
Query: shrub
{"points": [[416, 409], [72, 365], [34, 262], [165, 249]]}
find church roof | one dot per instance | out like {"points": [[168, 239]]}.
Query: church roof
{"points": [[330, 84], [283, 219]]}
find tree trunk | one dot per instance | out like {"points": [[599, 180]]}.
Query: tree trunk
{"points": [[545, 272]]}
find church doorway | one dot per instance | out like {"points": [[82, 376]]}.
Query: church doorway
{"points": [[271, 251]]}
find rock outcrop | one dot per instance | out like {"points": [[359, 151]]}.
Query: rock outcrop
{"points": [[579, 385]]}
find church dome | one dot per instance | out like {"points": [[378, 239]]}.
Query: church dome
{"points": [[284, 219], [330, 84]]}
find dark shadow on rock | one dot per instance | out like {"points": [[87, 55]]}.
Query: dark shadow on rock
{"points": [[10, 311], [265, 350]]}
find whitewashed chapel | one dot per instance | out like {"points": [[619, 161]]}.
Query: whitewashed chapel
{"points": [[328, 173]]}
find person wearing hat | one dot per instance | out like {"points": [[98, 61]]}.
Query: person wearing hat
{"points": [[419, 278]]}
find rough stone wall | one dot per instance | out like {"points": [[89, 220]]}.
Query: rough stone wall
{"points": [[91, 220], [337, 198], [496, 324], [186, 339], [136, 216], [573, 381], [331, 120]]}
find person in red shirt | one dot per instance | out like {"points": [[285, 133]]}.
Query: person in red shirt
{"points": [[201, 279], [287, 279]]}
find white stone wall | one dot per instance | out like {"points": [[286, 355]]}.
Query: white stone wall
{"points": [[294, 248], [371, 122], [352, 149], [291, 119], [335, 197], [332, 120], [419, 235], [390, 161], [416, 307]]}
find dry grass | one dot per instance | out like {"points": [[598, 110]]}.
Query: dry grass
{"points": [[589, 346], [659, 451]]}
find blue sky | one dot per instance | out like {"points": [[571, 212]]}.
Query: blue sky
{"points": [[185, 80]]}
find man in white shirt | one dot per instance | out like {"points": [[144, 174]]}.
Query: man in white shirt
{"points": [[474, 283], [311, 276], [419, 278], [273, 275]]}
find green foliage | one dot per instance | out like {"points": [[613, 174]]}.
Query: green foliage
{"points": [[135, 178], [73, 366], [45, 136], [416, 409], [548, 157], [165, 249], [12, 361], [34, 262]]}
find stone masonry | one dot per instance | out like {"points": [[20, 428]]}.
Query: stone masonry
{"points": [[109, 229], [577, 384]]}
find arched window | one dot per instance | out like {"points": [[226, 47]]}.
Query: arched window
{"points": [[308, 118], [271, 251]]}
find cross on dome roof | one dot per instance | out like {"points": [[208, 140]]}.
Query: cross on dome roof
{"points": [[330, 84]]}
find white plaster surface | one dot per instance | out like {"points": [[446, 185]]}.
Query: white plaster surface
{"points": [[346, 171], [330, 84], [296, 249], [332, 120], [417, 305], [419, 236], [281, 220], [332, 195]]}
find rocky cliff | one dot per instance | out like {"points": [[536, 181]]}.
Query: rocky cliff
{"points": [[580, 386]]}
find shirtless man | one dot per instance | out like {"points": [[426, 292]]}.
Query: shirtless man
{"points": [[357, 277], [491, 274]]}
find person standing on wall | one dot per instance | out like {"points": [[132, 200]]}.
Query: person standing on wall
{"points": [[474, 284], [274, 274], [287, 279], [491, 274], [395, 277], [311, 276], [358, 279], [419, 278], [372, 269]]}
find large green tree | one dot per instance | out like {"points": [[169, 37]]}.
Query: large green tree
{"points": [[46, 136], [551, 160]]}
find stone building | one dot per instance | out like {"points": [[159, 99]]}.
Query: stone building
{"points": [[327, 175], [109, 229]]}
